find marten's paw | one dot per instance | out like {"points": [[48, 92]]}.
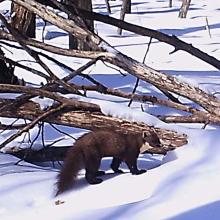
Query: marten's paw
{"points": [[100, 173], [138, 172], [118, 171], [94, 180]]}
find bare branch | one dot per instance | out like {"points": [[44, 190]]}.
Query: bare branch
{"points": [[171, 40], [44, 93]]}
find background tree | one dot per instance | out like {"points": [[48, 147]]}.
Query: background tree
{"points": [[184, 8], [170, 3], [125, 8]]}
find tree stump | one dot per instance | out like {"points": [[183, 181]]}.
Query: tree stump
{"points": [[79, 44], [23, 20]]}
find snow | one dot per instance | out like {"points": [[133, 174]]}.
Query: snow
{"points": [[183, 185]]}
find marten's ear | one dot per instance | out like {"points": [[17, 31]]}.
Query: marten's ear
{"points": [[147, 134]]}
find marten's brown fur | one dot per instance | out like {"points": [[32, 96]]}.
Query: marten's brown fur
{"points": [[89, 149]]}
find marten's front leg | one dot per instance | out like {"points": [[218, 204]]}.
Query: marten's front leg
{"points": [[131, 161]]}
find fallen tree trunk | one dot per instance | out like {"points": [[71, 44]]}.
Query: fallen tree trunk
{"points": [[93, 121]]}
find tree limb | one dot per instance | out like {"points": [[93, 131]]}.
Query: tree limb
{"points": [[171, 40]]}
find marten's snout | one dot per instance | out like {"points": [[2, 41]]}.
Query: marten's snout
{"points": [[155, 144]]}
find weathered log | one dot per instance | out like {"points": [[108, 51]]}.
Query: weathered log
{"points": [[93, 121]]}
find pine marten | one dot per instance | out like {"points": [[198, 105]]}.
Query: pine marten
{"points": [[89, 149]]}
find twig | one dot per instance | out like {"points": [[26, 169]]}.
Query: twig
{"points": [[117, 69], [45, 24], [54, 142], [148, 48], [108, 6], [11, 126], [36, 72], [42, 134], [133, 92], [82, 68], [137, 81], [30, 147], [62, 132], [207, 26]]}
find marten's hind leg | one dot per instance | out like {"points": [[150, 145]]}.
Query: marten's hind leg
{"points": [[92, 166]]}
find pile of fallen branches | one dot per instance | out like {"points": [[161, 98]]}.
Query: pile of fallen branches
{"points": [[82, 114]]}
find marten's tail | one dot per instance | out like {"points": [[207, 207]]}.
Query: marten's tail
{"points": [[72, 164]]}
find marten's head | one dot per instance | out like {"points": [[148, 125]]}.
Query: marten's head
{"points": [[150, 139]]}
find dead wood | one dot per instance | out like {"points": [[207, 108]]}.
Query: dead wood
{"points": [[87, 115], [159, 79], [93, 121]]}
